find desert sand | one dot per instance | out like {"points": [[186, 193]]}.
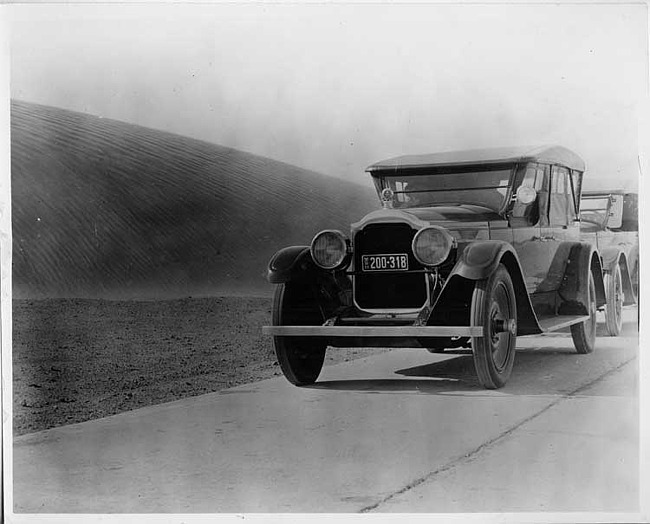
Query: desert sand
{"points": [[76, 360]]}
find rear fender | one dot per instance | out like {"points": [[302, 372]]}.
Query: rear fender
{"points": [[633, 257], [612, 257], [477, 262], [628, 286], [574, 289]]}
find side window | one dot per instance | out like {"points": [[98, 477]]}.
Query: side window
{"points": [[529, 176], [576, 186], [561, 207], [541, 178]]}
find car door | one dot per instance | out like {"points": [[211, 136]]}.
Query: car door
{"points": [[541, 245], [527, 222], [556, 228]]}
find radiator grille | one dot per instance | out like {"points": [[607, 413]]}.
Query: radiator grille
{"points": [[388, 290]]}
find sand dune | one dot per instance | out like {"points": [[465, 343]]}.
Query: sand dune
{"points": [[106, 209]]}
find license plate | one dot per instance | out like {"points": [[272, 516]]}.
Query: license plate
{"points": [[399, 262]]}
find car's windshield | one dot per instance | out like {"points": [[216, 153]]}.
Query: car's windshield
{"points": [[473, 185], [594, 210]]}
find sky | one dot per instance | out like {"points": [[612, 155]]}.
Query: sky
{"points": [[337, 87]]}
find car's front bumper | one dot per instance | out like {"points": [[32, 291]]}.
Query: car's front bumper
{"points": [[374, 331]]}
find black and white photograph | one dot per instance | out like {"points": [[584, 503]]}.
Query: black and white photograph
{"points": [[287, 262]]}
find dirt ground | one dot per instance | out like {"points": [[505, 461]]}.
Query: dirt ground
{"points": [[76, 360]]}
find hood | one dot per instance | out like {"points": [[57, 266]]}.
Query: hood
{"points": [[423, 216], [460, 213], [464, 222]]}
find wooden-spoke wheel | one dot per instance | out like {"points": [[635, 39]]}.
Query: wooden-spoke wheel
{"points": [[584, 333], [614, 306], [300, 358], [495, 309]]}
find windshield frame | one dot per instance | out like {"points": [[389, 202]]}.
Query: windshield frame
{"points": [[382, 177]]}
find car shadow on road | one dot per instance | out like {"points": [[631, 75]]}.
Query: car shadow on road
{"points": [[540, 369], [452, 374]]}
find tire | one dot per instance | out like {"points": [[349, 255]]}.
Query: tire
{"points": [[493, 300], [614, 306], [584, 334], [300, 358]]}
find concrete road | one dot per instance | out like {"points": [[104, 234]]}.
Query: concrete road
{"points": [[404, 431]]}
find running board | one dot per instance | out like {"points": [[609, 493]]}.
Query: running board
{"points": [[560, 321], [374, 331]]}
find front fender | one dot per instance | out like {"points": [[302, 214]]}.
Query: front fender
{"points": [[479, 260], [289, 264]]}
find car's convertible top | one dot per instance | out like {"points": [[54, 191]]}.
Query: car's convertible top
{"points": [[504, 155]]}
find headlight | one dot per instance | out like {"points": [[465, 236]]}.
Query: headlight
{"points": [[431, 245], [329, 249]]}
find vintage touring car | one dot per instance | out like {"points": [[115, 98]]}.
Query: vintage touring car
{"points": [[609, 220], [470, 249]]}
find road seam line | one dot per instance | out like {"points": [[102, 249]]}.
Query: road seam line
{"points": [[467, 457]]}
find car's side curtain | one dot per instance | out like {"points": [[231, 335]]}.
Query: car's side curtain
{"points": [[543, 208], [576, 186], [561, 206], [531, 175], [558, 209], [542, 186]]}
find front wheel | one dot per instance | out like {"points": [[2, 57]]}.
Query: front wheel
{"points": [[494, 308], [584, 333], [614, 306], [300, 358]]}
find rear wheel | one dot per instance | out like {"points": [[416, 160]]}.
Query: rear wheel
{"points": [[494, 308], [614, 306], [584, 333], [300, 358]]}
